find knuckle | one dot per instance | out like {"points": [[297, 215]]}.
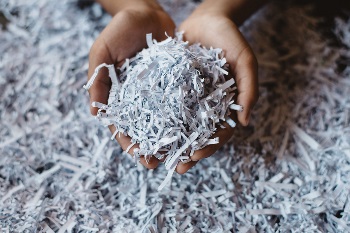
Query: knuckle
{"points": [[93, 111], [251, 59], [127, 15], [95, 48]]}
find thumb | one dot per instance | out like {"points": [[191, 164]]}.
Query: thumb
{"points": [[246, 72], [99, 91]]}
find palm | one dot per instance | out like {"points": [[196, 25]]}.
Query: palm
{"points": [[123, 38], [221, 32]]}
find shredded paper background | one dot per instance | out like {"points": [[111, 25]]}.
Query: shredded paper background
{"points": [[288, 171]]}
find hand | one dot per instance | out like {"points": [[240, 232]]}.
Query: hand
{"points": [[218, 31], [124, 36]]}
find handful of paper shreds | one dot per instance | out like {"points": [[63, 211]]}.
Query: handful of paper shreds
{"points": [[170, 99]]}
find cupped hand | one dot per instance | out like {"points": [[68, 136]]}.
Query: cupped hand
{"points": [[219, 31], [123, 37]]}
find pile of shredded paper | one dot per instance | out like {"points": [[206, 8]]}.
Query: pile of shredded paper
{"points": [[169, 100], [288, 171]]}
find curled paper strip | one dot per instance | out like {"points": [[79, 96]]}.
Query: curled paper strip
{"points": [[48, 139], [169, 99]]}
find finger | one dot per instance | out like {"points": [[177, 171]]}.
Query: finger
{"points": [[244, 66], [246, 72], [99, 91], [182, 168], [242, 63], [125, 142], [223, 134]]}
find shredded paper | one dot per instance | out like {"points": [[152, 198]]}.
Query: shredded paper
{"points": [[170, 99], [288, 171]]}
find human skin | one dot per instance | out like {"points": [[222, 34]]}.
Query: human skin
{"points": [[122, 38], [215, 24], [211, 24]]}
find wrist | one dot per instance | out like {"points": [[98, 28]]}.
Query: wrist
{"points": [[236, 10], [209, 8], [115, 6]]}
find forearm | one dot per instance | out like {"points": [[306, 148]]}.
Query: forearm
{"points": [[237, 10], [114, 6]]}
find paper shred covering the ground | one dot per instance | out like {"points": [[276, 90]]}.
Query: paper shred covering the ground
{"points": [[60, 172]]}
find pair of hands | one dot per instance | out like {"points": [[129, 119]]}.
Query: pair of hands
{"points": [[125, 36]]}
